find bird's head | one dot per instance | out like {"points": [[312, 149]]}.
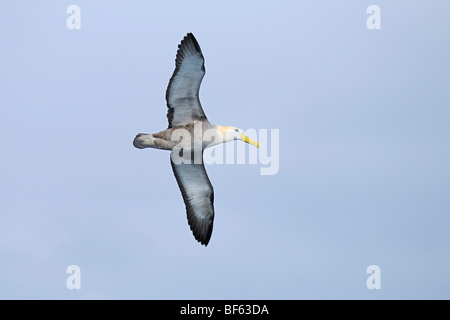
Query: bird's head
{"points": [[233, 133]]}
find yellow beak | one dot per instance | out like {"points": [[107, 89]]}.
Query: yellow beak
{"points": [[248, 140]]}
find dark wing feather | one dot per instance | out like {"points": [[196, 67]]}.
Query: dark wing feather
{"points": [[198, 196], [182, 93]]}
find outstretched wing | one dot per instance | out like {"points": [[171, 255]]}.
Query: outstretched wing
{"points": [[182, 93], [198, 196]]}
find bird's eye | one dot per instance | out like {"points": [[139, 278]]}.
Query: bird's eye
{"points": [[237, 130]]}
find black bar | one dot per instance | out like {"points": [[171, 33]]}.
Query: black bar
{"points": [[227, 309]]}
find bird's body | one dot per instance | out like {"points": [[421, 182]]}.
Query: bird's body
{"points": [[188, 134], [163, 139]]}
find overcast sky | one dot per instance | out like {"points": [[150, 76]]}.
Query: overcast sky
{"points": [[364, 177]]}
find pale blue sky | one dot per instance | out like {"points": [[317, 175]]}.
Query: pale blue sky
{"points": [[364, 150]]}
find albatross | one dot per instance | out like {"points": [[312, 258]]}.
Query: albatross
{"points": [[186, 138]]}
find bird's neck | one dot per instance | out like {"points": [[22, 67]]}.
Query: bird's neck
{"points": [[224, 133]]}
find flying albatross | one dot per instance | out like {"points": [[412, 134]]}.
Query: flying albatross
{"points": [[187, 137]]}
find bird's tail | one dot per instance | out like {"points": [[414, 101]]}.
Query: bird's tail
{"points": [[143, 140]]}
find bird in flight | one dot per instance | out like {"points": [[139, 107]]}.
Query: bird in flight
{"points": [[188, 134]]}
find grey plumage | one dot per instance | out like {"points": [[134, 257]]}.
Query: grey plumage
{"points": [[198, 196], [182, 94]]}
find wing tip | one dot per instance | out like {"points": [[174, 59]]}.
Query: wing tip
{"points": [[189, 45], [205, 243], [190, 37], [201, 229]]}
